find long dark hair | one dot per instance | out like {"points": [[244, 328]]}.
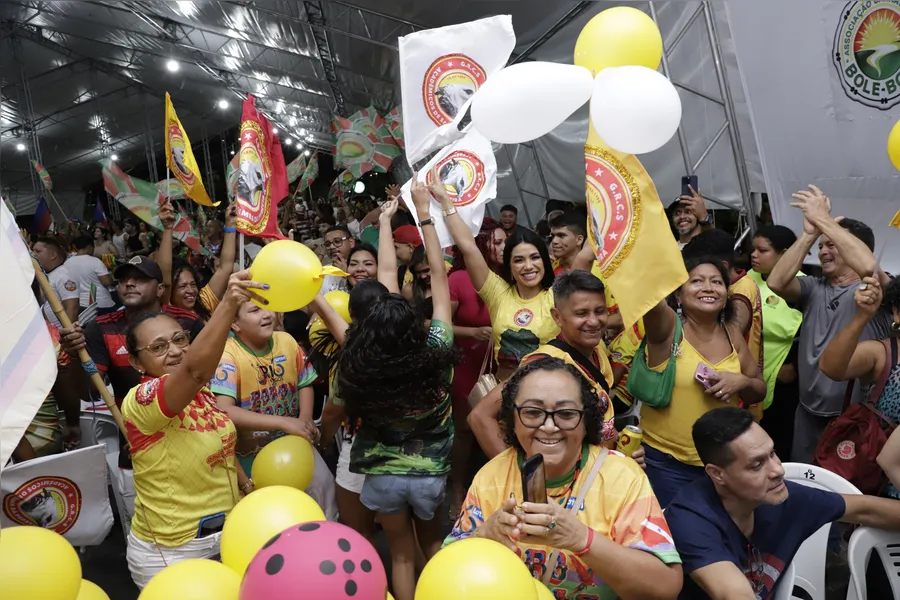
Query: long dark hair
{"points": [[484, 240], [361, 247], [177, 269], [387, 368], [526, 236], [691, 263]]}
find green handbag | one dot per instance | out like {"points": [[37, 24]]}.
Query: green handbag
{"points": [[651, 387]]}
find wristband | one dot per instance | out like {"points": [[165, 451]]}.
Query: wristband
{"points": [[229, 229], [587, 547], [424, 222]]}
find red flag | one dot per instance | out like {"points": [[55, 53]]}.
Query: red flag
{"points": [[262, 179]]}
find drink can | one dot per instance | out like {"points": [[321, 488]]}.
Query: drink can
{"points": [[630, 440]]}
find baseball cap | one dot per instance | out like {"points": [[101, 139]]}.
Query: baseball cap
{"points": [[143, 265], [407, 234]]}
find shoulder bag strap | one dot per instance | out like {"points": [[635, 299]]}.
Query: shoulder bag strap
{"points": [[890, 361], [583, 362], [579, 500], [487, 356]]}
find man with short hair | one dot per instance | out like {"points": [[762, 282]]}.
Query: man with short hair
{"points": [[845, 251], [738, 528], [509, 214], [52, 256], [567, 237], [338, 243], [92, 276], [689, 217]]}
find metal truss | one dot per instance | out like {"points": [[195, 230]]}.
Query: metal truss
{"points": [[519, 175], [316, 17]]}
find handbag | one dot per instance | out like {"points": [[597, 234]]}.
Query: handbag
{"points": [[486, 381], [579, 500], [651, 387]]}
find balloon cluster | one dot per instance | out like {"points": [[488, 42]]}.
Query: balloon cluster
{"points": [[634, 108]]}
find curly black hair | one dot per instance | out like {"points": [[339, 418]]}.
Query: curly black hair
{"points": [[387, 368], [892, 293], [693, 262], [593, 411]]}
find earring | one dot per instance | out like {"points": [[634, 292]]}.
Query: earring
{"points": [[722, 318], [678, 310], [895, 327]]}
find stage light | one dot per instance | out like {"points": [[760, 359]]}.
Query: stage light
{"points": [[223, 104], [359, 187], [114, 156], [172, 65], [20, 147]]}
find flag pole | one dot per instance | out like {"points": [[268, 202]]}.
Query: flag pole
{"points": [[49, 191], [86, 362], [241, 251]]}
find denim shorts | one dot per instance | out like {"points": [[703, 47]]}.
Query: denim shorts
{"points": [[392, 494]]}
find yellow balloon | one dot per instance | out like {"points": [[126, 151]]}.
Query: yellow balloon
{"points": [[894, 145], [618, 37], [491, 570], [37, 564], [340, 302], [543, 593], [389, 597], [193, 579], [91, 591], [286, 461], [258, 517], [293, 272]]}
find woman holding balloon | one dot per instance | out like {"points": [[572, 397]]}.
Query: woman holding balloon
{"points": [[186, 477]]}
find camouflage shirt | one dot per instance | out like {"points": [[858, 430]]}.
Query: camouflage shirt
{"points": [[418, 443]]}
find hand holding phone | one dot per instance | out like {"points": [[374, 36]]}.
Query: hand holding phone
{"points": [[705, 375], [689, 185], [534, 481]]}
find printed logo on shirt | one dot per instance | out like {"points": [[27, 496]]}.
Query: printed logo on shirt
{"points": [[846, 450], [121, 351], [53, 503], [866, 52], [70, 285], [523, 317], [449, 83], [147, 392], [279, 359], [773, 300]]}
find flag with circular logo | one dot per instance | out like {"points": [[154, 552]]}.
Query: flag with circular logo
{"points": [[180, 158], [363, 143], [867, 52], [468, 171], [440, 70], [628, 230]]}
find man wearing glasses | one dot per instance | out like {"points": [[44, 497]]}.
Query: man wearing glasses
{"points": [[338, 244], [739, 527]]}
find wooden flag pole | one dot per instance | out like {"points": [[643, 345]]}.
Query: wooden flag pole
{"points": [[86, 362], [52, 197]]}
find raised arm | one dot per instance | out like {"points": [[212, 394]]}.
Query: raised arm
{"points": [[440, 286], [202, 358], [336, 325], [476, 266], [659, 331], [164, 253], [387, 256], [218, 283], [483, 422], [845, 358]]}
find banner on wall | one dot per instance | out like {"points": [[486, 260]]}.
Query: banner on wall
{"points": [[440, 71], [468, 171], [823, 116]]}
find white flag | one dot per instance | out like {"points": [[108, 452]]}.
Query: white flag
{"points": [[65, 493], [468, 171], [440, 71], [27, 357]]}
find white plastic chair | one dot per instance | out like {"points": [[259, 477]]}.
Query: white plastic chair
{"points": [[886, 545], [809, 561], [784, 589]]}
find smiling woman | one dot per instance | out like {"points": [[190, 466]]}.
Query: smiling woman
{"points": [[600, 519]]}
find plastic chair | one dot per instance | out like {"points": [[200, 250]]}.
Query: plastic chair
{"points": [[886, 545], [809, 561], [784, 589]]}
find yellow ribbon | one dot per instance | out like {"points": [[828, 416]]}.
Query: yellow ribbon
{"points": [[329, 270]]}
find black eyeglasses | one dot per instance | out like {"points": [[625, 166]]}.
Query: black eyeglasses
{"points": [[534, 417], [335, 242]]}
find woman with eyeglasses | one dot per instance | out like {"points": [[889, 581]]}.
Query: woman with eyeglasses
{"points": [[599, 523], [186, 477]]}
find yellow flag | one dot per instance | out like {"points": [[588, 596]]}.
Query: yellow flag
{"points": [[629, 231], [895, 222], [180, 158]]}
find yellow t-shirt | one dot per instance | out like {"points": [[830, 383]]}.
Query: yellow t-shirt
{"points": [[669, 429], [608, 428], [619, 506], [745, 289], [268, 383], [184, 466], [611, 305], [209, 299], [519, 326], [621, 352]]}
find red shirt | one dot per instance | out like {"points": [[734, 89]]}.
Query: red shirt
{"points": [[472, 311]]}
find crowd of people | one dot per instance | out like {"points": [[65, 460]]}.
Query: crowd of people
{"points": [[734, 372]]}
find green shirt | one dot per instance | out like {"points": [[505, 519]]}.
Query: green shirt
{"points": [[418, 443]]}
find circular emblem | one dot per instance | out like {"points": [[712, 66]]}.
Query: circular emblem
{"points": [[449, 83], [50, 502], [867, 52], [462, 174], [176, 143], [523, 317], [614, 208], [773, 300], [71, 286], [846, 450], [354, 148]]}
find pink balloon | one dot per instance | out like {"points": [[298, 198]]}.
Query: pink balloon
{"points": [[316, 561]]}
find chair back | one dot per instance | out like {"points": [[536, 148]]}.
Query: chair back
{"points": [[784, 589], [809, 562], [887, 545]]}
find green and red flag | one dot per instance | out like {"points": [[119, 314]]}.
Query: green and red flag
{"points": [[341, 185], [394, 122], [309, 174], [43, 174], [143, 199], [363, 143], [296, 168]]}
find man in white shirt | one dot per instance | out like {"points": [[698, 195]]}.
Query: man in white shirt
{"points": [[52, 255], [92, 276]]}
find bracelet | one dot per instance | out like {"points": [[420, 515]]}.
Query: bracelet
{"points": [[229, 229], [428, 221], [587, 547], [248, 484]]}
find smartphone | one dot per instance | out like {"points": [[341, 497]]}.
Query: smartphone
{"points": [[702, 375], [688, 182], [534, 483], [210, 525]]}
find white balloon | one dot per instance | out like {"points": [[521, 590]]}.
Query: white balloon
{"points": [[634, 109], [525, 101]]}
